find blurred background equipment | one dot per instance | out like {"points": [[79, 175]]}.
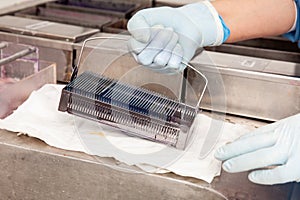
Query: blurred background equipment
{"points": [[55, 26], [21, 73]]}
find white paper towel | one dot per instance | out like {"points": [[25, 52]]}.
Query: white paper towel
{"points": [[39, 117]]}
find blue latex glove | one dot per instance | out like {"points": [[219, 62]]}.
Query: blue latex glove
{"points": [[277, 144], [294, 35], [164, 37]]}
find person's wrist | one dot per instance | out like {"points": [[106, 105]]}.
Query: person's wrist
{"points": [[205, 17]]}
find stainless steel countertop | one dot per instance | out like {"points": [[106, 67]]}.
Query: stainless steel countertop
{"points": [[9, 6], [30, 169]]}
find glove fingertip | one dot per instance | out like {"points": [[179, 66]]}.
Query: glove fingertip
{"points": [[161, 60], [265, 177], [220, 154], [254, 177], [144, 59], [227, 166]]}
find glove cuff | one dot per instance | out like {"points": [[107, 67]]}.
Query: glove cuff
{"points": [[218, 22], [206, 18], [225, 29]]}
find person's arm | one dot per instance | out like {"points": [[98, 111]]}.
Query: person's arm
{"points": [[165, 38], [256, 18]]}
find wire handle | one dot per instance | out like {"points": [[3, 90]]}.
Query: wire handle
{"points": [[76, 67]]}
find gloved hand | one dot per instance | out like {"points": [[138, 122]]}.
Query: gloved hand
{"points": [[275, 147], [163, 37]]}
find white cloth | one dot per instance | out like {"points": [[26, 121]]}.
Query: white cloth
{"points": [[39, 117]]}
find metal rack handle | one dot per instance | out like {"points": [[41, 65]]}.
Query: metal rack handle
{"points": [[76, 67]]}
